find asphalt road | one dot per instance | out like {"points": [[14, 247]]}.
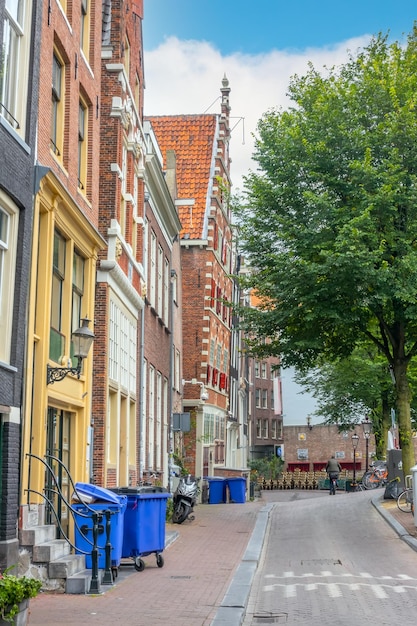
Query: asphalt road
{"points": [[332, 561]]}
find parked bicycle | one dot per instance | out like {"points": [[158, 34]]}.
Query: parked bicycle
{"points": [[405, 501], [377, 476]]}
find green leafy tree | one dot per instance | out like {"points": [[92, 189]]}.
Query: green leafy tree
{"points": [[328, 222], [349, 389]]}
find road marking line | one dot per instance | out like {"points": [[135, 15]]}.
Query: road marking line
{"points": [[334, 590], [379, 592]]}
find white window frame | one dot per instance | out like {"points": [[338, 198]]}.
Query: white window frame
{"points": [[14, 87], [152, 270], [160, 270], [159, 412], [151, 418], [166, 281], [8, 253]]}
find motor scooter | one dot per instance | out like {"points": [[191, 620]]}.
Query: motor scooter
{"points": [[184, 499]]}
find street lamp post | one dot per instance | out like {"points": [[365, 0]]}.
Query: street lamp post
{"points": [[82, 340], [367, 429], [355, 441]]}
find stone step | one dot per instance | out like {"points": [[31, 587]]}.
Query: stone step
{"points": [[36, 535], [66, 566], [78, 583], [50, 551]]}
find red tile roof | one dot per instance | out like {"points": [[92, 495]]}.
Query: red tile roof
{"points": [[194, 140]]}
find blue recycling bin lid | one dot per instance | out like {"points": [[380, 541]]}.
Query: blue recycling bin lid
{"points": [[100, 494], [136, 489]]}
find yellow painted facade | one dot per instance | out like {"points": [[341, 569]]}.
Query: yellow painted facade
{"points": [[58, 415]]}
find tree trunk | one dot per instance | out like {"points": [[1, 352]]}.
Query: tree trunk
{"points": [[404, 417], [385, 424]]}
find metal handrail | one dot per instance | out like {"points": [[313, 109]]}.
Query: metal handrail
{"points": [[96, 516]]}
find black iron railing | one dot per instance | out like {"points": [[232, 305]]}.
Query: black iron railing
{"points": [[53, 497]]}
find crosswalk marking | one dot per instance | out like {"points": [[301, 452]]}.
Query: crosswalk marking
{"points": [[328, 574], [379, 592], [334, 590], [336, 583]]}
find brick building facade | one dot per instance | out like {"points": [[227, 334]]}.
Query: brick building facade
{"points": [[310, 448], [135, 345], [201, 146]]}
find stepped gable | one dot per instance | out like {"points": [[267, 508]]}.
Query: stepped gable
{"points": [[194, 139]]}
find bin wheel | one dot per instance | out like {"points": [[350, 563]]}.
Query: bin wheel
{"points": [[139, 565], [114, 573], [160, 560]]}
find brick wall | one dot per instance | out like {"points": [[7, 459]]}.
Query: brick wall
{"points": [[81, 78], [321, 442]]}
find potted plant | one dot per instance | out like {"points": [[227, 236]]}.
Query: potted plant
{"points": [[15, 592]]}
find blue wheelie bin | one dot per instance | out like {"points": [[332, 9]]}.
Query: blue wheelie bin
{"points": [[103, 500], [144, 523], [217, 489], [237, 489]]}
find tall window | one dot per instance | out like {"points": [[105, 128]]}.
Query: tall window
{"points": [[8, 243], [166, 291], [14, 58], [159, 413], [85, 27], [77, 289], [123, 192], [151, 418], [152, 277], [137, 93], [160, 271], [122, 348], [57, 338], [127, 56], [57, 106], [113, 341], [82, 145]]}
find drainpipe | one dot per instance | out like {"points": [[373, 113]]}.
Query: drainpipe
{"points": [[171, 381], [142, 417]]}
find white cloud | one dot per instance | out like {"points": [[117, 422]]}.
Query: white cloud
{"points": [[185, 77]]}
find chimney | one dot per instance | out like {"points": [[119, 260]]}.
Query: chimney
{"points": [[171, 173]]}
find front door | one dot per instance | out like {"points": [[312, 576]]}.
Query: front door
{"points": [[58, 458]]}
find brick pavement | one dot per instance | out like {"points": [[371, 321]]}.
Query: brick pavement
{"points": [[406, 520], [199, 566]]}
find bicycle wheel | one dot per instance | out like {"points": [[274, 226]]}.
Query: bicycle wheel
{"points": [[370, 481], [405, 501]]}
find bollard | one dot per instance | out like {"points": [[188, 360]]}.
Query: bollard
{"points": [[95, 584], [414, 471], [108, 575]]}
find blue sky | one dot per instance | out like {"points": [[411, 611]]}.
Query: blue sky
{"points": [[259, 44], [257, 26]]}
